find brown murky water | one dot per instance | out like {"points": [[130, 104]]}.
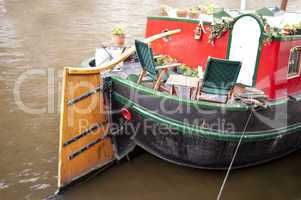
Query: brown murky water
{"points": [[37, 39]]}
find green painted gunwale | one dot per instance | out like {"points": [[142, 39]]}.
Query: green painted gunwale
{"points": [[201, 104], [204, 132], [166, 18]]}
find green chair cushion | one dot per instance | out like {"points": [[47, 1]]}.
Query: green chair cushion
{"points": [[220, 75], [146, 58], [215, 91]]}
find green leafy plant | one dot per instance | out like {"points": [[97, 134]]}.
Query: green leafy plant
{"points": [[211, 8], [165, 60], [208, 9], [187, 71], [291, 29], [193, 13], [218, 28], [270, 32], [118, 31], [182, 69]]}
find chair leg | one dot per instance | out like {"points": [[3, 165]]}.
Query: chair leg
{"points": [[142, 74], [173, 90], [191, 92], [159, 79], [229, 96], [197, 91]]}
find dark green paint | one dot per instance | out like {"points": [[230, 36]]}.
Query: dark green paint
{"points": [[195, 21], [203, 132]]}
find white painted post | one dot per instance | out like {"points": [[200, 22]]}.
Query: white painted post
{"points": [[243, 4]]}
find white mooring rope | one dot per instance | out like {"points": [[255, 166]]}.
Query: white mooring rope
{"points": [[234, 156]]}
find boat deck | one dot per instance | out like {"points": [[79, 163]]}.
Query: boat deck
{"points": [[129, 68], [125, 69]]}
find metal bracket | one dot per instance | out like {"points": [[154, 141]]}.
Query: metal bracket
{"points": [[92, 128], [88, 146], [85, 95]]}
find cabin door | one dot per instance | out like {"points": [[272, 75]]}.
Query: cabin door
{"points": [[244, 47], [85, 140]]}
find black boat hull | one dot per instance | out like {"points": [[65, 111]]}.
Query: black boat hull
{"points": [[173, 136]]}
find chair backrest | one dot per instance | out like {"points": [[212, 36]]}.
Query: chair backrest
{"points": [[146, 58], [220, 75]]}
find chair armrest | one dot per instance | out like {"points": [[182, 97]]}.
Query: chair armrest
{"points": [[158, 56], [168, 66]]}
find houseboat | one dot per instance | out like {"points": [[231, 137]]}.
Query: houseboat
{"points": [[234, 79]]}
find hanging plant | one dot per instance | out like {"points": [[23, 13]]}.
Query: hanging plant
{"points": [[270, 32], [218, 28]]}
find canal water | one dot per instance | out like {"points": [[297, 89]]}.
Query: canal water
{"points": [[37, 39]]}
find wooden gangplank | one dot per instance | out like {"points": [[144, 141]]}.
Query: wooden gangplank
{"points": [[85, 142]]}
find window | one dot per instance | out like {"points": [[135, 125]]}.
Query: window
{"points": [[294, 64]]}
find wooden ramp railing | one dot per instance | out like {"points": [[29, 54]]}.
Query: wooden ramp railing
{"points": [[85, 142]]}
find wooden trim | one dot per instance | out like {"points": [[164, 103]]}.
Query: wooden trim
{"points": [[283, 5], [62, 114], [116, 61], [168, 66]]}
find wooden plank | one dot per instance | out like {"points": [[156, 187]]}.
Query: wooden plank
{"points": [[283, 5], [76, 119]]}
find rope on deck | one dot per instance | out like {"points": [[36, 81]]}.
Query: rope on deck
{"points": [[234, 156]]}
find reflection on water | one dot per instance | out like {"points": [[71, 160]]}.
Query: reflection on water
{"points": [[39, 38]]}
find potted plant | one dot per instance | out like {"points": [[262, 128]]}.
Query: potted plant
{"points": [[187, 70], [218, 28], [193, 13], [289, 29], [182, 12], [202, 9], [164, 60], [163, 10], [118, 36], [298, 28]]}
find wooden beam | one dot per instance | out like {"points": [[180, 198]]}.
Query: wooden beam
{"points": [[284, 5], [123, 56]]}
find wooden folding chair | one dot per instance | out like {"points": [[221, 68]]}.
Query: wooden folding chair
{"points": [[146, 58], [219, 79]]}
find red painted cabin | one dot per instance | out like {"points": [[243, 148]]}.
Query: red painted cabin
{"points": [[272, 61]]}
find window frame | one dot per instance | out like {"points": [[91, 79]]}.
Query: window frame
{"points": [[297, 74]]}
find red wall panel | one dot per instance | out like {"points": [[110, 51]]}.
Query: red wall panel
{"points": [[183, 46]]}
